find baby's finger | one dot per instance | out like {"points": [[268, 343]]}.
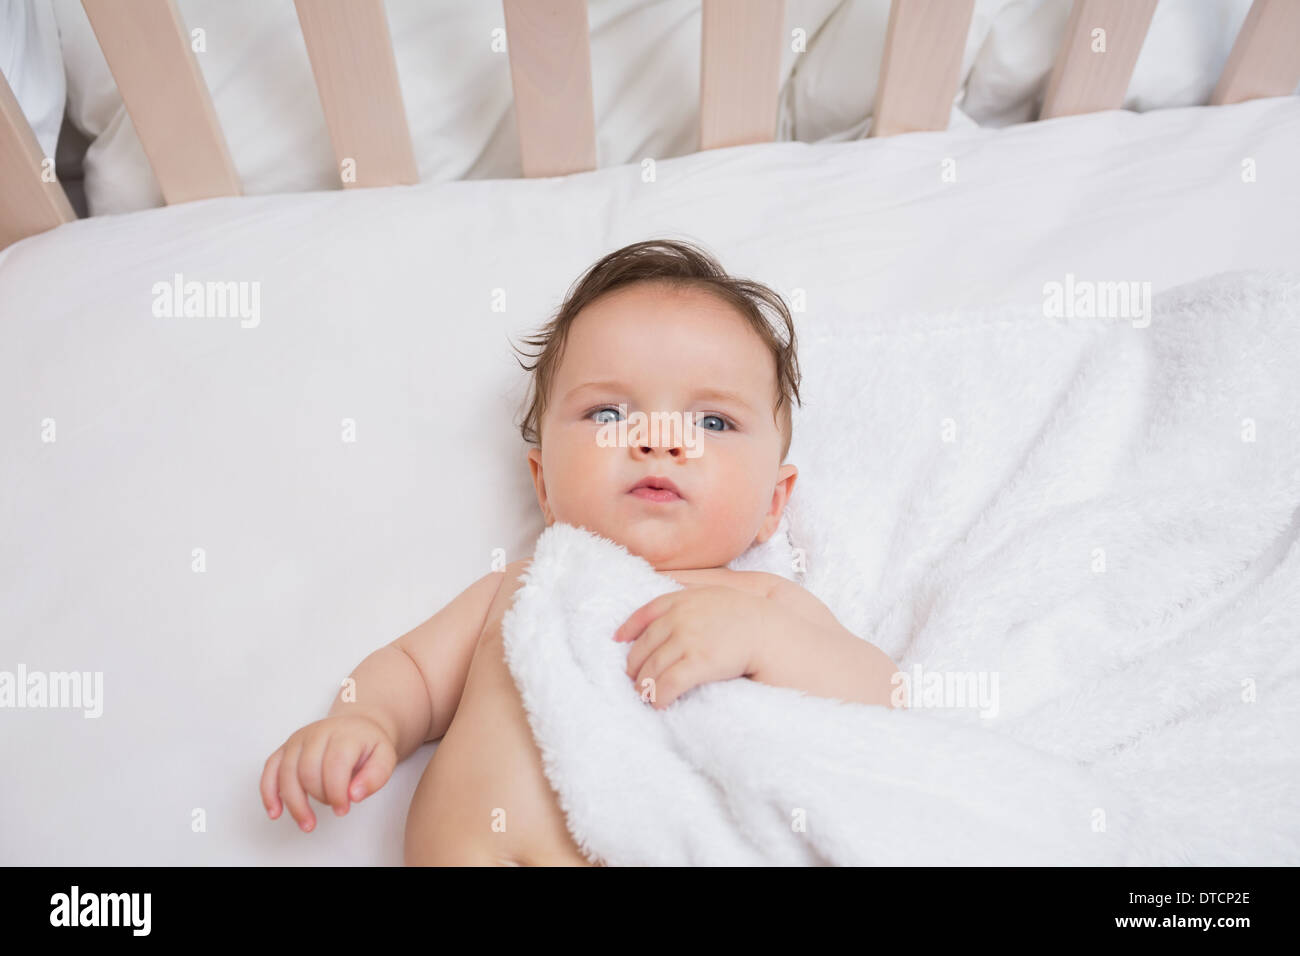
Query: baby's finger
{"points": [[677, 679], [270, 793], [643, 616], [656, 666], [336, 770], [309, 764], [374, 772], [291, 791], [647, 645]]}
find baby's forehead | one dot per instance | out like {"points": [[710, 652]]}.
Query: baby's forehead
{"points": [[704, 360], [663, 294], [649, 332], [657, 314]]}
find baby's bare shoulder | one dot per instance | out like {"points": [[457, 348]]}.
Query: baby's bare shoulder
{"points": [[773, 585], [801, 601], [511, 578]]}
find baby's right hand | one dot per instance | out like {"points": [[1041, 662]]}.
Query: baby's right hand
{"points": [[334, 760]]}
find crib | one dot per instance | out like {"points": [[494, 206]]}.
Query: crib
{"points": [[254, 423], [150, 53]]}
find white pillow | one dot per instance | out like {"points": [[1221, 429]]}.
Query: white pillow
{"points": [[32, 63], [1179, 65], [457, 92]]}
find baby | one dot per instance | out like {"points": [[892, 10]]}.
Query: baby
{"points": [[655, 327]]}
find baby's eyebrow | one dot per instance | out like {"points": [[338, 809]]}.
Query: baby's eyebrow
{"points": [[714, 394], [603, 386], [722, 395]]}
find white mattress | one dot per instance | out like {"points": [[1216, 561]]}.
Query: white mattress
{"points": [[180, 433]]}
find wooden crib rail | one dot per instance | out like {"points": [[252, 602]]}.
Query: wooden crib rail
{"points": [[351, 55], [31, 199], [550, 70], [921, 69], [149, 54], [1101, 45], [1264, 60], [349, 45], [740, 71]]}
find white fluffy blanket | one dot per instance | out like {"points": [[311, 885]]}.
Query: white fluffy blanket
{"points": [[1094, 521]]}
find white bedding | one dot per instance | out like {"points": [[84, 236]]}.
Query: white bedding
{"points": [[1083, 552], [175, 434]]}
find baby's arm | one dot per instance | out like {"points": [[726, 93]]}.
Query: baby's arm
{"points": [[412, 686], [406, 694], [820, 656]]}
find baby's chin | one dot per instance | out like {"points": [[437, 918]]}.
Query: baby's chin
{"points": [[667, 549]]}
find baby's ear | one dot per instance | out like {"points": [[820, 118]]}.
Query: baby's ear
{"points": [[780, 496], [539, 483], [786, 478], [788, 473]]}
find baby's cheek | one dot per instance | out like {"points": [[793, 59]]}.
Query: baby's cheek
{"points": [[586, 494], [756, 503], [576, 475], [733, 517]]}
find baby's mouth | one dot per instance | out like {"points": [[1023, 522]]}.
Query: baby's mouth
{"points": [[662, 495], [656, 489]]}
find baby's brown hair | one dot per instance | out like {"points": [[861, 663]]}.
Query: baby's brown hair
{"points": [[678, 264]]}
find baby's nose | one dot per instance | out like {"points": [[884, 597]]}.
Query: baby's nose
{"points": [[674, 450]]}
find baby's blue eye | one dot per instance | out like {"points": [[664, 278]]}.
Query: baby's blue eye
{"points": [[601, 411], [723, 425]]}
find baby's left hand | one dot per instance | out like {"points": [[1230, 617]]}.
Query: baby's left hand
{"points": [[693, 636]]}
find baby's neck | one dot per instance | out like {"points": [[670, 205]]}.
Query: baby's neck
{"points": [[686, 576]]}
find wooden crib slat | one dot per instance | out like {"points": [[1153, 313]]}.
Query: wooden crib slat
{"points": [[740, 71], [1084, 80], [148, 51], [1265, 59], [27, 204], [924, 46], [351, 53], [550, 70]]}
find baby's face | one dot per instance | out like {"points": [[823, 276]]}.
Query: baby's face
{"points": [[660, 350]]}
